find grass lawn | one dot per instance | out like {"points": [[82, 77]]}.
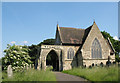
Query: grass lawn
{"points": [[96, 73], [31, 75]]}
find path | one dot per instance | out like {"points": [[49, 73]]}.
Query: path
{"points": [[66, 77]]}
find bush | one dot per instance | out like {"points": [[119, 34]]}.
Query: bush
{"points": [[17, 56]]}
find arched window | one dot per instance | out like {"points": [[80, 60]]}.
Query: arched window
{"points": [[70, 53], [96, 51]]}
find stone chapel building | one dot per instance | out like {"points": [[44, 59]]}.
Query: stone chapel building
{"points": [[76, 47]]}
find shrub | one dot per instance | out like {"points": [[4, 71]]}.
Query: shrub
{"points": [[17, 56]]}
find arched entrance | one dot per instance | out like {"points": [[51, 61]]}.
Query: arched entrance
{"points": [[52, 60]]}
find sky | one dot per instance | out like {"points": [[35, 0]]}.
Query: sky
{"points": [[27, 23]]}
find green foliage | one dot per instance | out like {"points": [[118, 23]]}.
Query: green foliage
{"points": [[31, 75], [33, 52], [115, 43], [34, 48], [96, 73], [17, 56], [48, 42], [117, 58]]}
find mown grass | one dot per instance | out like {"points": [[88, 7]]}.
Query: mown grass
{"points": [[96, 73], [31, 75]]}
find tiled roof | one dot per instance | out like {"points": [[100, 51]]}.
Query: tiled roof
{"points": [[73, 35]]}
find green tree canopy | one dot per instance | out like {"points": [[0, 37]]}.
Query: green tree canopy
{"points": [[17, 56], [34, 48], [115, 43], [48, 42]]}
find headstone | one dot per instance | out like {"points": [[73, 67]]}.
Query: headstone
{"points": [[114, 62], [30, 65], [27, 67], [33, 66], [101, 64], [92, 64], [90, 67], [9, 71]]}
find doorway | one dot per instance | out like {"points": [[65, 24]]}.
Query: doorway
{"points": [[52, 60]]}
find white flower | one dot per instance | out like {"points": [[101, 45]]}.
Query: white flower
{"points": [[13, 67], [14, 57], [18, 55], [15, 51], [11, 57], [17, 62], [20, 47]]}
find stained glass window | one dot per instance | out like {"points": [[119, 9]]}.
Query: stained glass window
{"points": [[96, 49]]}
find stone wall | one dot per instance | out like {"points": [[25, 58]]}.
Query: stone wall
{"points": [[86, 49], [89, 62], [68, 63], [61, 51]]}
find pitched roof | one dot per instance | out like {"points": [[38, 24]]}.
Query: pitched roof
{"points": [[73, 35], [112, 50]]}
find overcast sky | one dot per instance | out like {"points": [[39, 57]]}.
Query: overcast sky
{"points": [[30, 23]]}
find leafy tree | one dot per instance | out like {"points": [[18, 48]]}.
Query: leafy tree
{"points": [[17, 56], [34, 48], [115, 43], [33, 53], [47, 42]]}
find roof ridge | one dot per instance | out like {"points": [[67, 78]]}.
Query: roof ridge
{"points": [[72, 28]]}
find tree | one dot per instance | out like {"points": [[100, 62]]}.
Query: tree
{"points": [[33, 52], [34, 48], [115, 43], [17, 56], [47, 42]]}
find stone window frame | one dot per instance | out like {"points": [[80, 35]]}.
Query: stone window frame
{"points": [[96, 50], [70, 53]]}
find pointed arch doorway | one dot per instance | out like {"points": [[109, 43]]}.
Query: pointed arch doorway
{"points": [[52, 60]]}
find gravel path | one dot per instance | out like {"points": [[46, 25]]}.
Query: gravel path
{"points": [[66, 77]]}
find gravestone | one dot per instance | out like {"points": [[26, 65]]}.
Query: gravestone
{"points": [[9, 71], [30, 66], [33, 66], [27, 67]]}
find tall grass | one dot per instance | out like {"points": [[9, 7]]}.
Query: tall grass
{"points": [[31, 75], [0, 74], [96, 73]]}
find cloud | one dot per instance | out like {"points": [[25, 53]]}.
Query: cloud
{"points": [[12, 42], [115, 37], [25, 42]]}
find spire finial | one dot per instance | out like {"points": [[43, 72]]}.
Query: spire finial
{"points": [[93, 20], [57, 24]]}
